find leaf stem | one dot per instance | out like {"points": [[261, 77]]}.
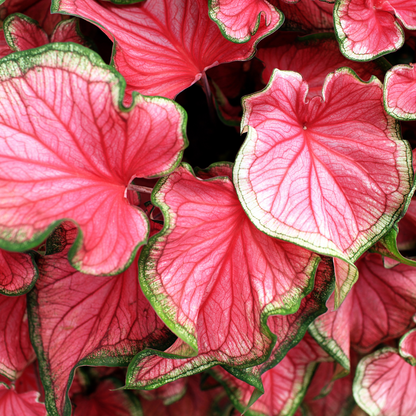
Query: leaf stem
{"points": [[139, 188]]}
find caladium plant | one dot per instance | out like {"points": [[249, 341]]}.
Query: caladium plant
{"points": [[196, 287]]}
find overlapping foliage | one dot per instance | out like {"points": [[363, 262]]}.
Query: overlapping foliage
{"points": [[280, 280]]}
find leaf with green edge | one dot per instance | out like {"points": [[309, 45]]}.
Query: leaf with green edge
{"points": [[400, 92], [75, 150], [162, 47], [18, 273], [289, 329], [314, 57], [337, 176], [16, 351], [407, 347], [240, 20], [380, 307], [13, 403], [106, 400], [22, 33], [367, 29], [77, 320], [201, 256], [385, 383]]}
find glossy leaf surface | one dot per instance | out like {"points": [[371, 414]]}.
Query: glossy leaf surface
{"points": [[78, 320], [13, 403], [16, 351], [162, 47], [379, 307], [75, 151], [367, 29], [325, 186], [314, 57], [200, 275], [239, 20], [400, 92], [385, 384]]}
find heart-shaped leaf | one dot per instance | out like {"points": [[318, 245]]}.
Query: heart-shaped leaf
{"points": [[162, 47], [214, 279], [367, 29], [16, 351], [400, 92], [83, 320], [74, 151], [379, 307], [330, 174], [13, 403]]}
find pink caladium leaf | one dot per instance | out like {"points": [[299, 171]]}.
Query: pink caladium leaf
{"points": [[407, 347], [314, 150], [16, 351], [314, 57], [106, 400], [13, 403], [400, 92], [78, 173], [23, 33], [379, 307], [18, 273], [367, 29], [307, 15], [83, 320], [385, 382], [284, 385], [240, 20], [162, 47], [288, 330], [202, 254]]}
